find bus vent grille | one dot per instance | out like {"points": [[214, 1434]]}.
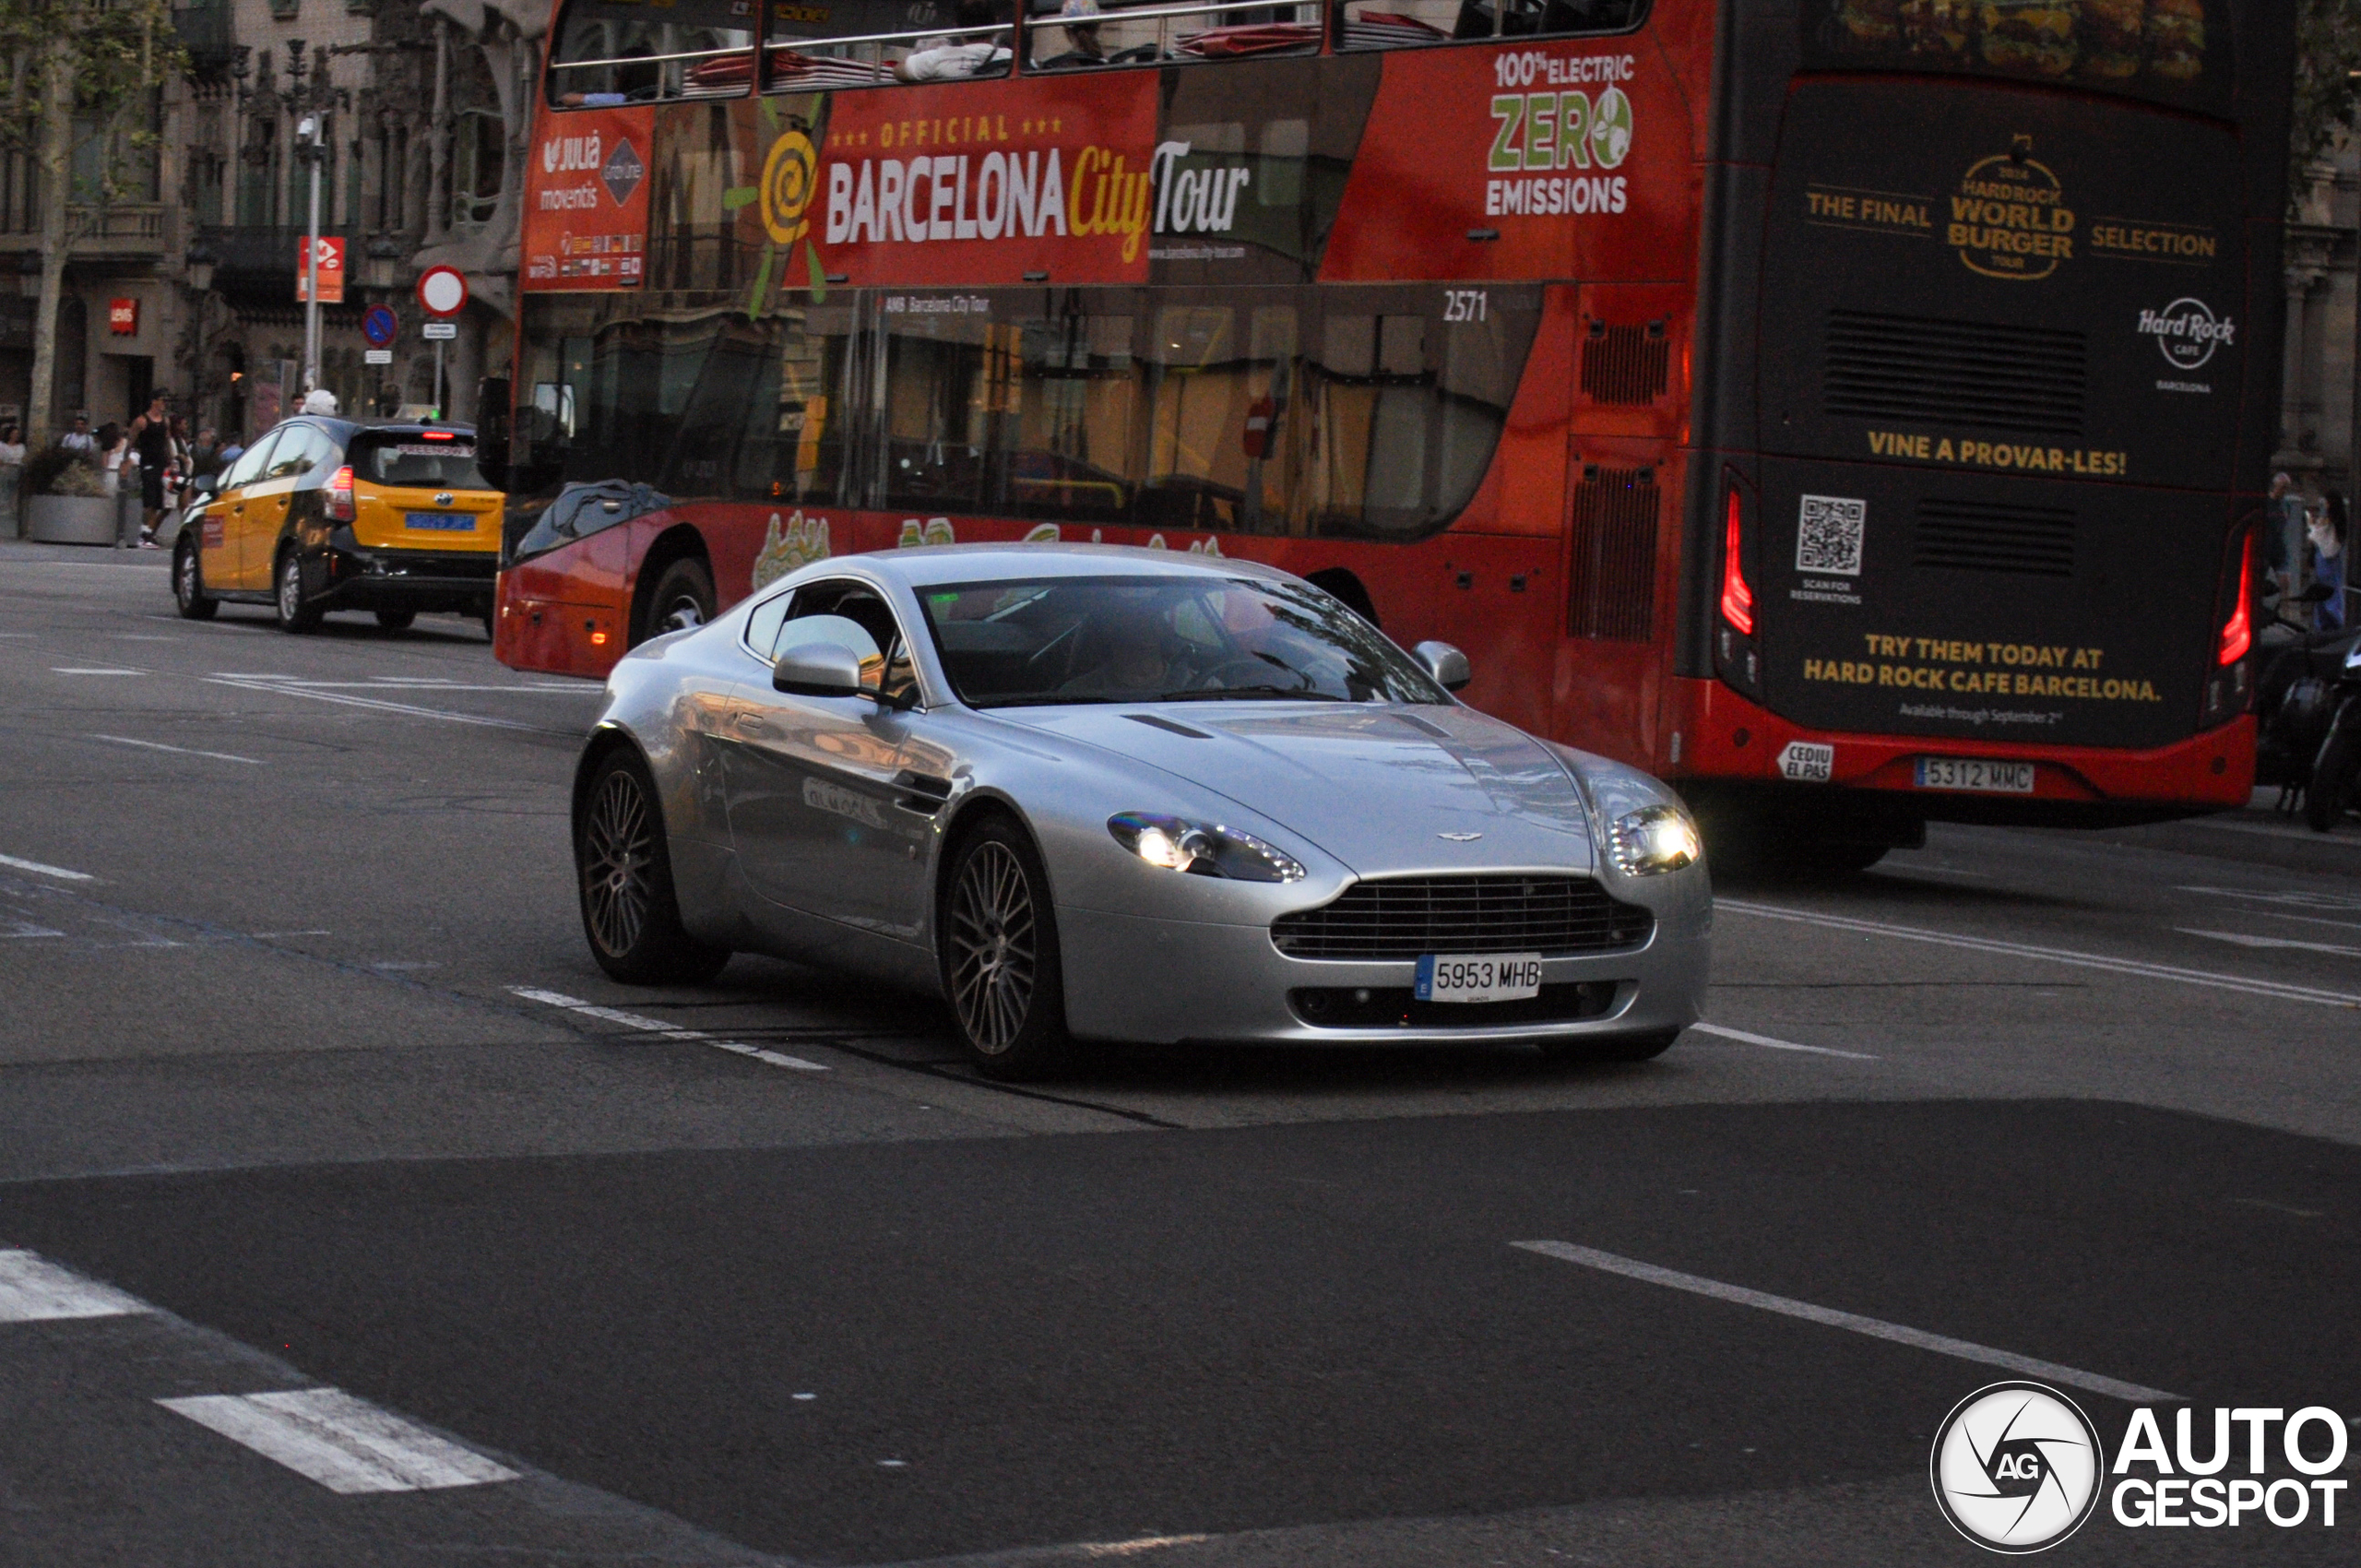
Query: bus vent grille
{"points": [[1612, 583], [1983, 536], [2028, 379], [1625, 364]]}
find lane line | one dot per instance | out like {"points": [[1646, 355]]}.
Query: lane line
{"points": [[1768, 1042], [183, 751], [1876, 1328], [2247, 939], [33, 1290], [79, 669], [2207, 978], [2308, 919], [659, 1027], [411, 709], [347, 1445], [2299, 899], [37, 869]]}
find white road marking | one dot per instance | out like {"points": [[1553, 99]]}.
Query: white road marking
{"points": [[1876, 1328], [2296, 896], [2247, 939], [659, 1027], [346, 1444], [267, 935], [2308, 919], [2050, 955], [1742, 1036], [425, 683], [33, 1290], [183, 751], [448, 716], [85, 669], [21, 930], [13, 863]]}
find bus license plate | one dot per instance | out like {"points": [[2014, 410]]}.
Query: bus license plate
{"points": [[1975, 775], [443, 522], [1500, 977]]}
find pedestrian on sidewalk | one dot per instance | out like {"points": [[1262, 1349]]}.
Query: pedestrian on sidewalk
{"points": [[79, 438], [2329, 535], [12, 473], [151, 439]]}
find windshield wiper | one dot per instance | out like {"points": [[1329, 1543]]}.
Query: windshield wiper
{"points": [[1261, 694]]}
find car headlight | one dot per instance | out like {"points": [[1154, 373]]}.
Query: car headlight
{"points": [[1653, 839], [1207, 849]]}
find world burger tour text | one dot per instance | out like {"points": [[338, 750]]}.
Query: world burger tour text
{"points": [[2190, 1489]]}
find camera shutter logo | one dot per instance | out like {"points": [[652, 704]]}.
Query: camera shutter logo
{"points": [[2017, 1467]]}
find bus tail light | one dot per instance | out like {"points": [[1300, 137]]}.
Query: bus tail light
{"points": [[2229, 688], [341, 495], [1737, 600], [1734, 654]]}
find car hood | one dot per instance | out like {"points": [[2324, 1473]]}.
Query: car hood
{"points": [[1376, 787]]}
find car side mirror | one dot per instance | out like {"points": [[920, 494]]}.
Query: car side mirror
{"points": [[819, 670], [1445, 663]]}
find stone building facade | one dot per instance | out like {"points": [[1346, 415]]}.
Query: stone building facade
{"points": [[2317, 405]]}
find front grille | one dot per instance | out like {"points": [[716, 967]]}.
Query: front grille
{"points": [[1398, 1007], [1402, 918], [1983, 535], [1611, 579], [1950, 372]]}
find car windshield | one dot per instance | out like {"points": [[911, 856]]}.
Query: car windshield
{"points": [[416, 459], [1178, 638]]}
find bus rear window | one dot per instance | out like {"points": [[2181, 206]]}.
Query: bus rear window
{"points": [[414, 461]]}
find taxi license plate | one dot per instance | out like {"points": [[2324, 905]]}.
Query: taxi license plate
{"points": [[442, 522], [1975, 775], [1493, 976]]}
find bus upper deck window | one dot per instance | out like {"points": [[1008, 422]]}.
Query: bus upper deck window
{"points": [[1398, 24], [611, 53]]}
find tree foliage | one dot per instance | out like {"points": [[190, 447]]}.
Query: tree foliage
{"points": [[119, 53], [2327, 51]]}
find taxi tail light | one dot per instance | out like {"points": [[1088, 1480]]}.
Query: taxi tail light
{"points": [[1737, 600], [341, 495], [434, 436]]}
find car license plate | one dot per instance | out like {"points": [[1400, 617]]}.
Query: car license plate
{"points": [[442, 522], [1975, 774], [1496, 977]]}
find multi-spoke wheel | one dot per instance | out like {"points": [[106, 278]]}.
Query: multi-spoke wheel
{"points": [[287, 583], [999, 954], [629, 909], [189, 584]]}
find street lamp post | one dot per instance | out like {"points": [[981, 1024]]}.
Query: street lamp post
{"points": [[308, 141]]}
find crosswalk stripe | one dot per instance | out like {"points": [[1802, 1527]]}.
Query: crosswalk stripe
{"points": [[346, 1444], [33, 1290]]}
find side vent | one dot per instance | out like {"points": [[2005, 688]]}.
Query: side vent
{"points": [[1625, 364], [1983, 536], [1612, 583], [2029, 379]]}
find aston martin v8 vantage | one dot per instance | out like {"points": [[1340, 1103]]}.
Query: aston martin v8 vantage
{"points": [[1092, 793]]}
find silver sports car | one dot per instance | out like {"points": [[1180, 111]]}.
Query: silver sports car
{"points": [[1106, 794]]}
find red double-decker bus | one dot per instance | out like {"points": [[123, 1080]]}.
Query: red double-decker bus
{"points": [[1855, 413]]}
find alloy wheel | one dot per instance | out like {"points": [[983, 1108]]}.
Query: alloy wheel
{"points": [[994, 947], [184, 578], [290, 590], [618, 848]]}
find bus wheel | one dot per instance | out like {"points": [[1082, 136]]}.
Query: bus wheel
{"points": [[681, 599]]}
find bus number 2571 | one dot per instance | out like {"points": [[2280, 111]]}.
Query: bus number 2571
{"points": [[1465, 304]]}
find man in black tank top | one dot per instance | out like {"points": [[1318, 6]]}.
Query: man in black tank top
{"points": [[151, 438]]}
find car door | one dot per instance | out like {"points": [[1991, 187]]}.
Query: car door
{"points": [[811, 783], [223, 536], [262, 510]]}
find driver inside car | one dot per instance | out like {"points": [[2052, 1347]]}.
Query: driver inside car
{"points": [[1135, 641]]}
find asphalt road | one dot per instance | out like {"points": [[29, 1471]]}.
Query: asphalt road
{"points": [[288, 1063]]}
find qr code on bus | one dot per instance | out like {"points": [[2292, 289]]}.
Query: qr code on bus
{"points": [[1828, 535]]}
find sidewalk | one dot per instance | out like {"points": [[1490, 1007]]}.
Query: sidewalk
{"points": [[2257, 835], [26, 551]]}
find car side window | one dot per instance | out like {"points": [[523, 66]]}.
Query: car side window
{"points": [[865, 608], [299, 451], [249, 463], [763, 624]]}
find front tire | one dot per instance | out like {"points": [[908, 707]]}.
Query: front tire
{"points": [[189, 584], [395, 620], [624, 871], [286, 595], [2333, 773], [999, 947]]}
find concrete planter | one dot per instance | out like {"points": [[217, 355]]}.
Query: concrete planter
{"points": [[71, 519]]}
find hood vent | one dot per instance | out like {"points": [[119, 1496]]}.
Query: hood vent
{"points": [[1927, 371], [1985, 536], [1155, 721]]}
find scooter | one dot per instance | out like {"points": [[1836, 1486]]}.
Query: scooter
{"points": [[2336, 770], [2294, 695]]}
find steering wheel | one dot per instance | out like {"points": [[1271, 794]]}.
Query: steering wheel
{"points": [[1253, 668]]}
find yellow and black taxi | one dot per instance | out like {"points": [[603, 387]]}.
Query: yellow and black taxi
{"points": [[325, 514]]}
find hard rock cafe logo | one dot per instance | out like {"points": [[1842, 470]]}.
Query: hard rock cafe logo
{"points": [[2009, 218]]}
